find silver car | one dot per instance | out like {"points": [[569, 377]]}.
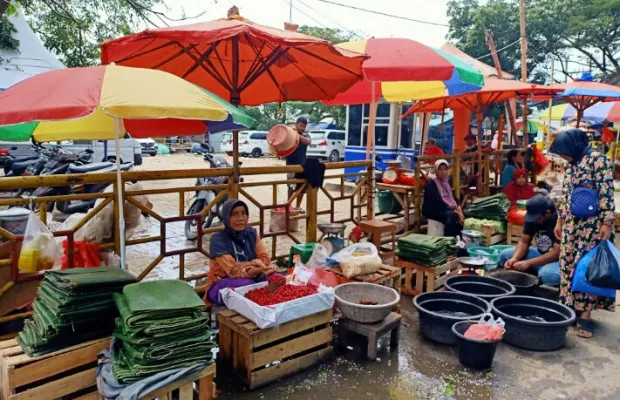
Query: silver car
{"points": [[327, 144]]}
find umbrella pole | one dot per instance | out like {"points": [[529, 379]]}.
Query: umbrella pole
{"points": [[370, 145], [479, 162], [118, 126], [234, 189]]}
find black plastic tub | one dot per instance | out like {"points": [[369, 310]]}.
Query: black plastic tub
{"points": [[474, 354], [523, 282], [480, 286], [533, 323], [438, 311]]}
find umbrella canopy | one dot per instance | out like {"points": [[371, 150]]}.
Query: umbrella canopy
{"points": [[494, 91], [81, 104], [599, 112], [407, 70], [247, 63]]}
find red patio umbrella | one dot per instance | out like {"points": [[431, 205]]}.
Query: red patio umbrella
{"points": [[247, 63]]}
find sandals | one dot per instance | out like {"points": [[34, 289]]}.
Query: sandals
{"points": [[585, 328]]}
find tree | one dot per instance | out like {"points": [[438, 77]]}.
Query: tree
{"points": [[586, 33], [75, 29], [268, 115]]}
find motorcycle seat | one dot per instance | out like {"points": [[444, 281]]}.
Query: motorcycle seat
{"points": [[16, 166], [82, 169], [25, 158]]}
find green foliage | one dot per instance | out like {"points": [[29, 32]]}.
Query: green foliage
{"points": [[268, 115], [586, 31], [7, 30]]}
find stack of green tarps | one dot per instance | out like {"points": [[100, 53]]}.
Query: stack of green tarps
{"points": [[72, 306], [426, 250], [493, 207], [161, 327]]}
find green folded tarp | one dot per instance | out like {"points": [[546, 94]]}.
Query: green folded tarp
{"points": [[161, 327], [72, 306], [426, 250], [494, 207], [475, 224]]}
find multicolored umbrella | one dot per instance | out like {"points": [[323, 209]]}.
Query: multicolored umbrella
{"points": [[599, 112], [102, 103], [584, 93], [407, 70], [246, 63]]}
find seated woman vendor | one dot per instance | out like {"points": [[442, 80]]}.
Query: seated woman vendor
{"points": [[544, 258], [439, 202], [519, 189], [238, 257]]}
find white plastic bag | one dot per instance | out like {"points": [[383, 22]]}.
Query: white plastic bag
{"points": [[39, 250], [357, 253], [318, 259]]}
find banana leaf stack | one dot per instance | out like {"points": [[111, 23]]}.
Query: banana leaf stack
{"points": [[72, 306], [494, 207], [426, 250], [161, 327]]}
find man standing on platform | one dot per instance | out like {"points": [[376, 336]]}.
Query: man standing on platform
{"points": [[298, 157]]}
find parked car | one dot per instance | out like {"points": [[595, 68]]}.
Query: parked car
{"points": [[226, 145], [149, 146], [327, 144], [253, 143]]}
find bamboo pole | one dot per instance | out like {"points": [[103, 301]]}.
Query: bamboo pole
{"points": [[523, 41], [479, 151], [311, 204], [548, 137], [370, 145]]}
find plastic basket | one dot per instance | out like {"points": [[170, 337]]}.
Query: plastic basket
{"points": [[490, 253]]}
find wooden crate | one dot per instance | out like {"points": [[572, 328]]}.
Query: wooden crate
{"points": [[421, 279], [387, 276], [68, 373], [490, 236], [514, 233], [246, 350], [185, 387]]}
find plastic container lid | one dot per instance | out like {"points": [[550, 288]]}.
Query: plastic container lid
{"points": [[14, 213], [472, 234]]}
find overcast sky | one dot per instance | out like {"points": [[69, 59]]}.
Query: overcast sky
{"points": [[317, 13]]}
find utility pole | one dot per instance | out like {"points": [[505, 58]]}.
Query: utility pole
{"points": [[523, 67], [290, 10], [500, 75]]}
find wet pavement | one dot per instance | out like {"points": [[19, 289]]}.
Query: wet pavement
{"points": [[421, 369]]}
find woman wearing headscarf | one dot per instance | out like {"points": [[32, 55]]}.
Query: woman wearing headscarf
{"points": [[578, 235], [519, 189], [439, 202], [513, 159], [237, 256]]}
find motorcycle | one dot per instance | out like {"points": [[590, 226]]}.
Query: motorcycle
{"points": [[204, 197], [29, 165]]}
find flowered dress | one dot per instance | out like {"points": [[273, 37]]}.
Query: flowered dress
{"points": [[579, 234]]}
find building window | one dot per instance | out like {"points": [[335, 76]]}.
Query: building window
{"points": [[355, 125]]}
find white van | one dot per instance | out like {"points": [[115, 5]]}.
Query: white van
{"points": [[327, 144], [253, 143], [226, 145]]}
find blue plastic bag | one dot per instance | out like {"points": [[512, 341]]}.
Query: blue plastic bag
{"points": [[581, 284]]}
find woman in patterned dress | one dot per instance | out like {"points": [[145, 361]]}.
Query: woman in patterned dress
{"points": [[580, 235]]}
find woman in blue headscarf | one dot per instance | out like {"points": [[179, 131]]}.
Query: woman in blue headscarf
{"points": [[237, 255], [586, 168]]}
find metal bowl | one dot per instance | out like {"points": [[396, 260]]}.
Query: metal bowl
{"points": [[332, 228], [473, 262]]}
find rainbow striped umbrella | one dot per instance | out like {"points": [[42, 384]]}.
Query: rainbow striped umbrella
{"points": [[597, 113], [407, 70]]}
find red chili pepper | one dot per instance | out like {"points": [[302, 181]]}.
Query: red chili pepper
{"points": [[276, 279], [284, 293]]}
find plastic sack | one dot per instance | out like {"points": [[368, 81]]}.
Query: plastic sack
{"points": [[604, 269], [357, 253], [487, 329], [580, 283], [86, 256], [39, 250], [301, 273], [318, 259], [323, 277], [540, 161]]}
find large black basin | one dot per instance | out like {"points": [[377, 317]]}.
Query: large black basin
{"points": [[438, 311], [533, 323], [523, 282], [480, 286]]}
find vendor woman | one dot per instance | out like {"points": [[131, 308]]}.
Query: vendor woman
{"points": [[439, 202], [519, 189], [237, 255]]}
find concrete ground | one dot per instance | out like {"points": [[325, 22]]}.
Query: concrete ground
{"points": [[418, 369]]}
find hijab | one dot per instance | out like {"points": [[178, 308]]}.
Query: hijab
{"points": [[444, 188], [573, 143], [515, 192], [239, 244]]}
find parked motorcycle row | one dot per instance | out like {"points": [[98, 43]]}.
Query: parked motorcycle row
{"points": [[53, 160]]}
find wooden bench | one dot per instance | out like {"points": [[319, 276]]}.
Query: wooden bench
{"points": [[421, 279], [387, 276], [183, 389], [260, 356], [373, 332], [65, 373]]}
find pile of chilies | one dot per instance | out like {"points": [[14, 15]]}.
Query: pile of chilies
{"points": [[262, 297]]}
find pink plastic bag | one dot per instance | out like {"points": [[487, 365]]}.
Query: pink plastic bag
{"points": [[486, 329]]}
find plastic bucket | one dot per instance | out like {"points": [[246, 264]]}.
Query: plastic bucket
{"points": [[474, 354], [387, 203], [14, 220]]}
